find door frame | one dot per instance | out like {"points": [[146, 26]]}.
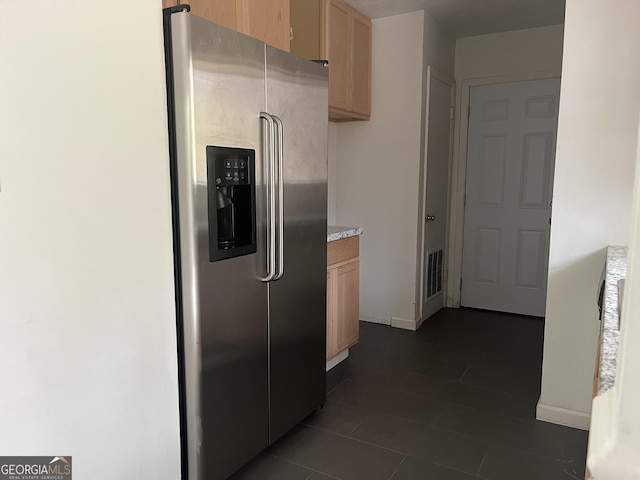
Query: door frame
{"points": [[447, 80], [459, 170]]}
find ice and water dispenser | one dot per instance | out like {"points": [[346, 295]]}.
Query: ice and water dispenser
{"points": [[232, 202]]}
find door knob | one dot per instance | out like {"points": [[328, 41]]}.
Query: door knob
{"points": [[430, 218]]}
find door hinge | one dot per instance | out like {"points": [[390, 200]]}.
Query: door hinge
{"points": [[290, 33], [452, 113]]}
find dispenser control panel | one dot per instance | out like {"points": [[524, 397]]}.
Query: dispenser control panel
{"points": [[231, 195], [232, 170]]}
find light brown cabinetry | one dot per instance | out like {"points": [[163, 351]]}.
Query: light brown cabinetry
{"points": [[343, 282], [339, 54], [361, 64], [345, 40], [266, 20]]}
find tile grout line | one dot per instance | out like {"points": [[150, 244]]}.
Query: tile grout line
{"points": [[361, 422], [404, 454], [448, 467], [355, 439], [412, 422], [426, 396], [456, 433], [398, 467], [482, 462], [313, 470], [399, 388], [335, 386], [570, 474], [465, 372], [429, 424]]}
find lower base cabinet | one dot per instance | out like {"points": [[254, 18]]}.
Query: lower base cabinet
{"points": [[343, 292]]}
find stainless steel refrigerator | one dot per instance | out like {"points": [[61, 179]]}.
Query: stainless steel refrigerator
{"points": [[248, 148]]}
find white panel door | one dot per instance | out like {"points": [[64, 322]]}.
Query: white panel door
{"points": [[510, 161], [436, 192]]}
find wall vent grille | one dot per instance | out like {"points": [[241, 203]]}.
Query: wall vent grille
{"points": [[434, 273]]}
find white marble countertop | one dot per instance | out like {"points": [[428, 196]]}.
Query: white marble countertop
{"points": [[338, 233], [616, 270]]}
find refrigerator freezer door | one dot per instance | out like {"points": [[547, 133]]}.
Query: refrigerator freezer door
{"points": [[219, 94], [297, 94]]}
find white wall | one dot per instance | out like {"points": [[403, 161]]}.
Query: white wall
{"points": [[87, 336], [332, 200], [439, 47], [614, 436], [597, 138], [377, 165], [507, 53]]}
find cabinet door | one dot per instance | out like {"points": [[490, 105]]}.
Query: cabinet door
{"points": [[339, 53], [332, 319], [266, 20], [222, 12], [306, 23], [169, 3], [347, 285], [361, 64]]}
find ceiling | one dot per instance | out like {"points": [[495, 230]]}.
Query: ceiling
{"points": [[464, 18]]}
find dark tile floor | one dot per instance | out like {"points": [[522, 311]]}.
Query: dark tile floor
{"points": [[453, 401]]}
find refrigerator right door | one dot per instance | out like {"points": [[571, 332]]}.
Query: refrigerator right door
{"points": [[297, 93]]}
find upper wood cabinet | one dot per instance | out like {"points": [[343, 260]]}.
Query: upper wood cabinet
{"points": [[338, 52], [305, 23], [361, 64], [266, 20], [222, 12], [344, 36]]}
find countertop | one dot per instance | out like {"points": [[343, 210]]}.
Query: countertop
{"points": [[338, 233], [615, 270]]}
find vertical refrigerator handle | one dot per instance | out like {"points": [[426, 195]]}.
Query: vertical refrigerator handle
{"points": [[280, 159], [268, 163]]}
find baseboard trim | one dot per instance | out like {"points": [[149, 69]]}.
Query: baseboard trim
{"points": [[337, 359], [380, 321], [405, 323], [563, 416]]}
